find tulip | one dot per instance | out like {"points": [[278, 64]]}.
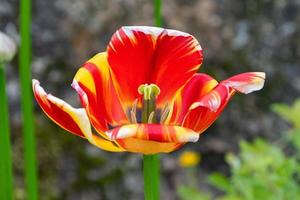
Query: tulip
{"points": [[143, 94]]}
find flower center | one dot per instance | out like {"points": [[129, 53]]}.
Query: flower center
{"points": [[148, 113]]}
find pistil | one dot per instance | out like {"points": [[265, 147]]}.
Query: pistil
{"points": [[150, 93]]}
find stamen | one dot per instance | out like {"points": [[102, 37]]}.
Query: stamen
{"points": [[133, 117], [134, 106], [164, 114], [132, 113], [150, 118]]}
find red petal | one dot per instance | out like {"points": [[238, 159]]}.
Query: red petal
{"points": [[94, 85], [192, 92], [204, 112], [139, 55], [154, 132], [246, 82], [151, 138], [178, 57], [60, 112], [71, 119]]}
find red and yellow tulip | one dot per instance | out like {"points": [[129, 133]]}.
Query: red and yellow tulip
{"points": [[145, 68]]}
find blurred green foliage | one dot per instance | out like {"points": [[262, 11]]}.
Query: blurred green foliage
{"points": [[262, 169], [289, 113], [192, 193]]}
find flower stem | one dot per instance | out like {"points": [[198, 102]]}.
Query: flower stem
{"points": [[151, 176], [6, 175], [26, 101], [157, 13]]}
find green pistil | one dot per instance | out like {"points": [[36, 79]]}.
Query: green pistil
{"points": [[150, 93]]}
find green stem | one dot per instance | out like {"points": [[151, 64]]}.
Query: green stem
{"points": [[26, 101], [157, 12], [6, 175], [151, 176]]}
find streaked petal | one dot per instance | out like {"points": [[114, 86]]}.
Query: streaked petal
{"points": [[130, 55], [154, 132], [193, 91], [214, 99], [178, 57], [94, 85], [74, 120], [205, 111], [64, 115], [246, 82], [139, 55]]}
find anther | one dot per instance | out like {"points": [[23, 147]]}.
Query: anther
{"points": [[133, 117]]}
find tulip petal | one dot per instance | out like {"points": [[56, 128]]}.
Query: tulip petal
{"points": [[178, 58], [139, 55], [153, 132], [105, 144], [71, 119], [205, 111], [192, 92], [94, 85], [151, 138], [59, 111], [246, 82]]}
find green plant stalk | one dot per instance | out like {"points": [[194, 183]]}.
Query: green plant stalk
{"points": [[6, 175], [151, 176], [157, 12], [26, 101]]}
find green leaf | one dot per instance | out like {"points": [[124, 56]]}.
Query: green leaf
{"points": [[289, 113], [294, 137], [220, 181], [191, 193]]}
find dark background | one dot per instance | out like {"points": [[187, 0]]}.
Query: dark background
{"points": [[237, 36]]}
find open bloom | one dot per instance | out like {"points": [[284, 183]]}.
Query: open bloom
{"points": [[143, 94]]}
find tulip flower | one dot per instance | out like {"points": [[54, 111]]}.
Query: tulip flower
{"points": [[143, 94]]}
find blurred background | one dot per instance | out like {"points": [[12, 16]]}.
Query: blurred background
{"points": [[237, 36]]}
